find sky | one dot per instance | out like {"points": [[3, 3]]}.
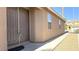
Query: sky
{"points": [[70, 13]]}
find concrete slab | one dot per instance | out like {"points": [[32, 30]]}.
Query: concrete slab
{"points": [[52, 44], [70, 43], [29, 46]]}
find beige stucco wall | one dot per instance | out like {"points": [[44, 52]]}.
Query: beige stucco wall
{"points": [[31, 25], [39, 31], [3, 29], [55, 30], [38, 26]]}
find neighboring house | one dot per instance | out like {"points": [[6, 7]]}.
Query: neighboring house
{"points": [[74, 25], [35, 24]]}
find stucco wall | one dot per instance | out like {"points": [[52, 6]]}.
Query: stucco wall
{"points": [[3, 29], [36, 25], [31, 24], [39, 26], [55, 29]]}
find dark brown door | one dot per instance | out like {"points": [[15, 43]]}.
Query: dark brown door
{"points": [[17, 25]]}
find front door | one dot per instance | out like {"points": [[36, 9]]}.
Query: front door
{"points": [[23, 24], [17, 25]]}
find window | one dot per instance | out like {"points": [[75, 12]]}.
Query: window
{"points": [[49, 21], [59, 23]]}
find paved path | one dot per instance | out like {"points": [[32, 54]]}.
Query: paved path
{"points": [[49, 46], [67, 42], [70, 43], [29, 46]]}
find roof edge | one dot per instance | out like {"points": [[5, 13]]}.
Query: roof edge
{"points": [[52, 11]]}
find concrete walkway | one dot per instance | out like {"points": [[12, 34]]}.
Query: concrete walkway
{"points": [[29, 46], [70, 43], [66, 42], [52, 44]]}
